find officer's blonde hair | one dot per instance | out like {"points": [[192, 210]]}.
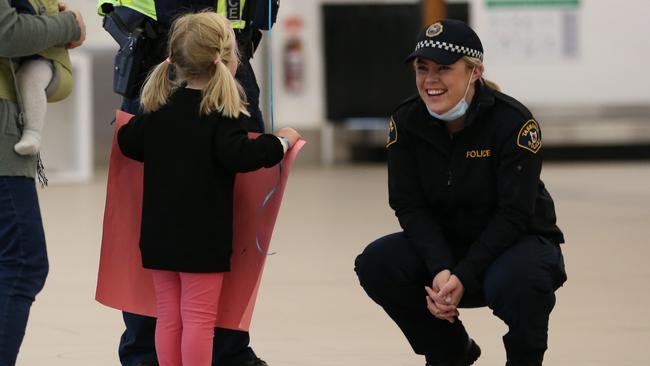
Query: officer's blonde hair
{"points": [[195, 42], [474, 62]]}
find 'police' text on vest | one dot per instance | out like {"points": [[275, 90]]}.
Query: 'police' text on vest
{"points": [[472, 154], [233, 9]]}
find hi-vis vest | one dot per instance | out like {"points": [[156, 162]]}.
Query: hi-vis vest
{"points": [[61, 85], [233, 10]]}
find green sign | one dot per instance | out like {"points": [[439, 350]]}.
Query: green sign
{"points": [[529, 3]]}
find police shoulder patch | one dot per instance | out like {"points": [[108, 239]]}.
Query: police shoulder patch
{"points": [[392, 132], [530, 136]]}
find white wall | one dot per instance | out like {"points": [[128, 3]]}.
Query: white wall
{"points": [[610, 67], [304, 110], [308, 108], [96, 36], [591, 78]]}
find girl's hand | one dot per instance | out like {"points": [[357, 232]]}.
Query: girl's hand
{"points": [[290, 134]]}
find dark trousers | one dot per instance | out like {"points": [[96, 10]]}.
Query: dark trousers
{"points": [[519, 287], [230, 347], [23, 261], [248, 81]]}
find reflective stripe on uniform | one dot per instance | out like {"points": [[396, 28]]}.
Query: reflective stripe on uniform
{"points": [[233, 10], [146, 7]]}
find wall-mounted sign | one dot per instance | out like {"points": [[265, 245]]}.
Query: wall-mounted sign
{"points": [[525, 3], [531, 30]]}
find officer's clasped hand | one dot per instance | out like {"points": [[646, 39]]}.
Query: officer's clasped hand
{"points": [[444, 296]]}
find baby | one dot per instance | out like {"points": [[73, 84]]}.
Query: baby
{"points": [[42, 78]]}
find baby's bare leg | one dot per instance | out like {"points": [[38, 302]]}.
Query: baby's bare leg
{"points": [[33, 78]]}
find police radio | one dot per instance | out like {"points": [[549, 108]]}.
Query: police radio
{"points": [[132, 33]]}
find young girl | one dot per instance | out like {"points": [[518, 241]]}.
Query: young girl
{"points": [[192, 140]]}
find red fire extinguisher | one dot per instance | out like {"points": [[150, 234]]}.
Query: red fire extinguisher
{"points": [[294, 58]]}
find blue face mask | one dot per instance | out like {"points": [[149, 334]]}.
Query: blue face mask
{"points": [[456, 111]]}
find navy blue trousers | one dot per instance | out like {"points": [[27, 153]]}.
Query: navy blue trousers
{"points": [[248, 81], [23, 261], [230, 347], [519, 287]]}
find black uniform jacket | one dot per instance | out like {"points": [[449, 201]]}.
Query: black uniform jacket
{"points": [[463, 200], [190, 163]]}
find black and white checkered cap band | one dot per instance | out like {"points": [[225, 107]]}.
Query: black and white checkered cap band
{"points": [[450, 47]]}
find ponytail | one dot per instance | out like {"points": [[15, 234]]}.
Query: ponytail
{"points": [[157, 88], [474, 62], [223, 94], [491, 84], [202, 46]]}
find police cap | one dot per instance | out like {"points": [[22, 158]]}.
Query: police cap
{"points": [[447, 40]]}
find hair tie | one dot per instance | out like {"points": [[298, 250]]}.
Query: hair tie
{"points": [[217, 60], [169, 60]]}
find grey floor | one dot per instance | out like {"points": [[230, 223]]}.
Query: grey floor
{"points": [[311, 310]]}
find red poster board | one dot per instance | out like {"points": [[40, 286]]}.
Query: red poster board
{"points": [[122, 282]]}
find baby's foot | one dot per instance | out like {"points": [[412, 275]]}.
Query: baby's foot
{"points": [[29, 144]]}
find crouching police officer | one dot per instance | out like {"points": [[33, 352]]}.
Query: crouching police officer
{"points": [[479, 227], [140, 27]]}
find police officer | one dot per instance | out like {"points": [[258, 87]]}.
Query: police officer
{"points": [[248, 18], [479, 227]]}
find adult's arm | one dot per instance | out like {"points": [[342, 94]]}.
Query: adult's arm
{"points": [[518, 175], [24, 34], [406, 198]]}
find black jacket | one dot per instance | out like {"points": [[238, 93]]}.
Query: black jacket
{"points": [[463, 200], [190, 163]]}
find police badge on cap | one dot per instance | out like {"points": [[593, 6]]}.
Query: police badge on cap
{"points": [[446, 41], [434, 29]]}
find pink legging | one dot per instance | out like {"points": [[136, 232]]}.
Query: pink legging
{"points": [[187, 309]]}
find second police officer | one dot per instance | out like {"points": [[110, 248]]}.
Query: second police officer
{"points": [[140, 27], [464, 167]]}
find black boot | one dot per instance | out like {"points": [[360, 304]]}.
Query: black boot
{"points": [[470, 355], [534, 363], [255, 362]]}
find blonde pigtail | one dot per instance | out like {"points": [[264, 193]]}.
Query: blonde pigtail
{"points": [[222, 94], [204, 49], [157, 88]]}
